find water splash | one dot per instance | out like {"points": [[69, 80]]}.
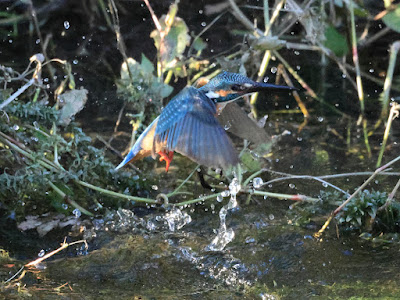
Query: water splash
{"points": [[225, 235], [225, 268], [176, 219], [125, 220]]}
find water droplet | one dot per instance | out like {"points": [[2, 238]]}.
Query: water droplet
{"points": [[292, 185], [273, 70], [371, 70], [234, 186], [220, 198], [227, 125], [250, 240], [203, 24], [344, 75], [16, 127], [64, 206], [36, 125], [299, 139], [271, 217], [77, 213], [320, 119], [41, 253], [75, 61], [139, 88], [66, 25], [154, 187], [324, 184], [37, 41], [257, 182], [225, 193]]}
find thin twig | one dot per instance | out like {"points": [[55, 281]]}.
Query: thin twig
{"points": [[50, 254], [120, 40], [115, 194], [183, 183], [42, 44], [17, 93], [243, 19], [391, 196], [394, 113], [305, 85], [284, 196], [68, 200], [394, 49]]}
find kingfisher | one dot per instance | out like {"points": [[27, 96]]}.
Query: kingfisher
{"points": [[190, 123]]}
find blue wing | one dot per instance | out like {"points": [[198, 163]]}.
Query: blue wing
{"points": [[188, 126]]}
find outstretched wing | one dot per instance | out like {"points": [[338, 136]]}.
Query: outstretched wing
{"points": [[188, 126], [239, 123]]}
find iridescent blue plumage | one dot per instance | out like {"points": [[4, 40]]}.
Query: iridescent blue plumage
{"points": [[189, 125]]}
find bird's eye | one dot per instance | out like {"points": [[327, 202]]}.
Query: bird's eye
{"points": [[237, 87]]}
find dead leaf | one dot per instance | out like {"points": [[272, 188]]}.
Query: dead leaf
{"points": [[72, 102]]}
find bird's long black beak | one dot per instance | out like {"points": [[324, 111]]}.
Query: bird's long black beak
{"points": [[262, 86]]}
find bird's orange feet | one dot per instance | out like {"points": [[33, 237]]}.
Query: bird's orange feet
{"points": [[167, 157]]}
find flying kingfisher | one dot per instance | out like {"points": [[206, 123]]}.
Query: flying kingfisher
{"points": [[189, 123]]}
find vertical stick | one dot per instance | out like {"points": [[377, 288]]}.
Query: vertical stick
{"points": [[394, 112], [394, 49], [267, 55], [360, 90]]}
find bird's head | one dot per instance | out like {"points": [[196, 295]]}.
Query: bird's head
{"points": [[228, 86]]}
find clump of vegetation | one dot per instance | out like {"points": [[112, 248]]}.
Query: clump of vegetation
{"points": [[46, 158], [369, 212]]}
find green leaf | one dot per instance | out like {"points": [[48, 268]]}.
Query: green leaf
{"points": [[174, 43], [166, 90], [147, 65], [139, 85], [250, 162], [335, 41], [199, 44], [392, 19]]}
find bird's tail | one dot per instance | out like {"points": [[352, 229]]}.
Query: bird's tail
{"points": [[144, 142], [128, 158]]}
